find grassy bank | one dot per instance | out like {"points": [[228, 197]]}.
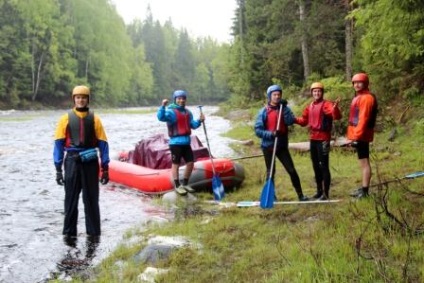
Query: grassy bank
{"points": [[379, 239]]}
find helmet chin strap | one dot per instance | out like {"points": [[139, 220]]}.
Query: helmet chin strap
{"points": [[82, 109]]}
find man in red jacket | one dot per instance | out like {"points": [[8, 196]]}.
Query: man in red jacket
{"points": [[360, 131], [319, 116]]}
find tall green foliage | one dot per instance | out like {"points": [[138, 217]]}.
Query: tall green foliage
{"points": [[392, 44], [103, 50], [184, 64], [268, 43]]}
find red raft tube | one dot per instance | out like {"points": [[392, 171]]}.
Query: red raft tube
{"points": [[131, 170], [160, 181]]}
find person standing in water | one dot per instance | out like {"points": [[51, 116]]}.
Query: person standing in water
{"points": [[79, 134]]}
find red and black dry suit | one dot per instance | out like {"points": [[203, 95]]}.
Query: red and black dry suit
{"points": [[79, 130], [265, 128], [319, 116]]}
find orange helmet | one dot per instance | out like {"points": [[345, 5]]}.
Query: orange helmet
{"points": [[361, 77], [317, 85]]}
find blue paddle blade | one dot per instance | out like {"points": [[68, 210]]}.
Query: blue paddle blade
{"points": [[268, 195], [217, 188], [415, 175]]}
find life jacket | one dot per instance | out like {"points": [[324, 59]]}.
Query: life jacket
{"points": [[272, 120], [80, 131], [182, 125], [317, 120], [354, 112]]}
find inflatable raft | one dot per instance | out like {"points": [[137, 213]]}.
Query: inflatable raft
{"points": [[148, 168]]}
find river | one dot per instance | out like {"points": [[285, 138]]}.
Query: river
{"points": [[31, 214]]}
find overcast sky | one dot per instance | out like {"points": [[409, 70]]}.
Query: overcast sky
{"points": [[200, 17]]}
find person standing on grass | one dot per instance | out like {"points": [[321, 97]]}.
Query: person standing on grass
{"points": [[360, 130], [319, 116], [78, 133], [266, 129], [180, 122]]}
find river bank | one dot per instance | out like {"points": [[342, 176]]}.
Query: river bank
{"points": [[351, 240]]}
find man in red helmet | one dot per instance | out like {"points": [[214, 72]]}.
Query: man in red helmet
{"points": [[319, 116], [360, 130]]}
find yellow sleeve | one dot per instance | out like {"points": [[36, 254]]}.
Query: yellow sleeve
{"points": [[98, 128], [61, 128]]}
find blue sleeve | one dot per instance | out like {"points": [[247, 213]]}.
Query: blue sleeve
{"points": [[58, 153], [288, 116], [194, 124], [104, 154], [165, 115], [260, 130]]}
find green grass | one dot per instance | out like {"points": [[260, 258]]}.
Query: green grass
{"points": [[379, 239]]}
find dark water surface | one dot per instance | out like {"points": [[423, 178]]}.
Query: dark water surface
{"points": [[32, 248]]}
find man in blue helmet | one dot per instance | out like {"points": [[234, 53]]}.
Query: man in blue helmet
{"points": [[266, 129], [180, 122]]}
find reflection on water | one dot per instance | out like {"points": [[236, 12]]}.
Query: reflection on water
{"points": [[76, 260], [32, 248]]}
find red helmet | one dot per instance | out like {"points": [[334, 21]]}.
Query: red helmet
{"points": [[361, 77]]}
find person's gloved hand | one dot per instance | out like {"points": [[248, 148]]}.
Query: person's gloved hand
{"points": [[277, 133], [59, 178], [284, 102], [105, 177]]}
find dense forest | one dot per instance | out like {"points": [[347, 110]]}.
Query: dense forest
{"points": [[48, 46]]}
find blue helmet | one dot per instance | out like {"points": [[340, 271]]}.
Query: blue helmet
{"points": [[179, 93], [273, 88]]}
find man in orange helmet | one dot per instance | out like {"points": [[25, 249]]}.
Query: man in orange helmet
{"points": [[319, 116], [79, 133], [360, 130]]}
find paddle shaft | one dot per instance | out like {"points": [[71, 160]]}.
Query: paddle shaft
{"points": [[207, 141], [275, 142], [407, 177], [247, 157]]}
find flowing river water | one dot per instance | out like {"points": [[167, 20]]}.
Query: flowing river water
{"points": [[31, 211]]}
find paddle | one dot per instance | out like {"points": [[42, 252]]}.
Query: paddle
{"points": [[256, 203], [247, 157], [217, 186], [408, 177], [268, 191]]}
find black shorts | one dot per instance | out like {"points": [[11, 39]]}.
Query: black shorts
{"points": [[184, 151], [363, 149]]}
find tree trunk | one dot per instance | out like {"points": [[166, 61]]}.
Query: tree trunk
{"points": [[86, 68], [241, 31], [348, 44], [304, 40], [37, 81]]}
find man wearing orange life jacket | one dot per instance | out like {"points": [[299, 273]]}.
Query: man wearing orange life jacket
{"points": [[319, 116], [360, 131], [266, 129]]}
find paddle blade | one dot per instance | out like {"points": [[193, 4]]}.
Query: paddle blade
{"points": [[268, 195], [415, 175], [217, 188]]}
